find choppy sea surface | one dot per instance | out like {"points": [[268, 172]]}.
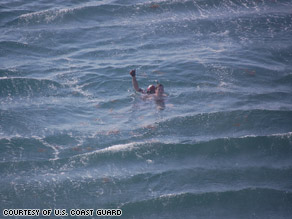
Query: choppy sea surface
{"points": [[75, 134]]}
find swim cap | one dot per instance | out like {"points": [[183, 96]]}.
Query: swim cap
{"points": [[151, 89]]}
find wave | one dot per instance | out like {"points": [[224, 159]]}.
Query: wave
{"points": [[189, 128], [268, 98], [99, 12], [28, 87], [285, 80], [7, 15], [154, 193], [209, 205], [5, 73], [169, 179], [94, 53], [140, 202], [69, 153], [75, 14], [40, 17], [12, 47], [224, 123]]}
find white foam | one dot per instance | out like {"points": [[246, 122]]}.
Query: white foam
{"points": [[48, 15], [115, 148], [56, 151], [276, 134]]}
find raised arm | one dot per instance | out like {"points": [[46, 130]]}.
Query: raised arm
{"points": [[135, 82]]}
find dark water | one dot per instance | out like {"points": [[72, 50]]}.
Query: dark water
{"points": [[74, 134]]}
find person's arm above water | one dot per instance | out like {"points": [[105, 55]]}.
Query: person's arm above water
{"points": [[135, 82]]}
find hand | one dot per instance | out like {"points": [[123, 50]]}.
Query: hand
{"points": [[133, 73]]}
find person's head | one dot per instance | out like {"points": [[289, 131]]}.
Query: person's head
{"points": [[151, 89], [159, 89]]}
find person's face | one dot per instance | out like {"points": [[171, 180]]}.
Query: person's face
{"points": [[159, 90]]}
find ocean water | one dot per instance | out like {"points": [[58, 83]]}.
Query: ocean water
{"points": [[75, 135]]}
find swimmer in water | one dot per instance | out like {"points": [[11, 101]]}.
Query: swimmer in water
{"points": [[157, 91]]}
